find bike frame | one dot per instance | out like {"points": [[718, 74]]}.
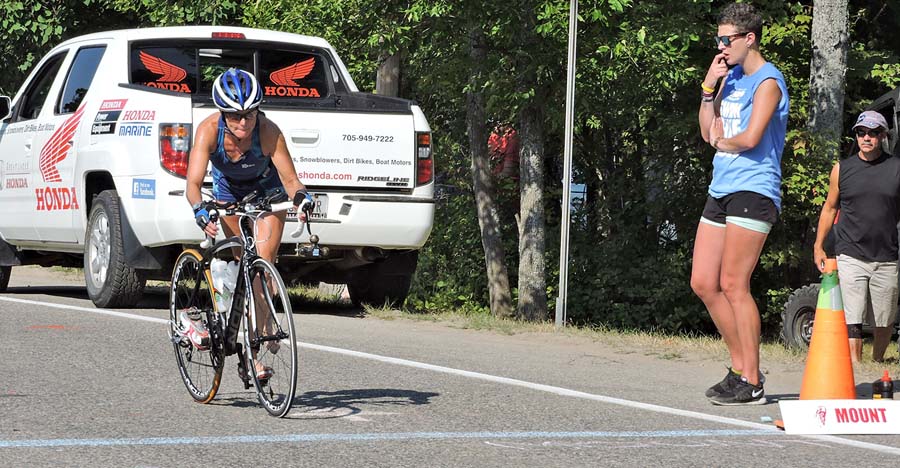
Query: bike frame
{"points": [[246, 241]]}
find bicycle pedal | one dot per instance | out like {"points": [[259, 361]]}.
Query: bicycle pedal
{"points": [[182, 341]]}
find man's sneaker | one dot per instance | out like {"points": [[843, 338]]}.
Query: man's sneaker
{"points": [[743, 393], [193, 330], [728, 383]]}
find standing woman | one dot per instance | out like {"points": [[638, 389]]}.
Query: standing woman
{"points": [[745, 123]]}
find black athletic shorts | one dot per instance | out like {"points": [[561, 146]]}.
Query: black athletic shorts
{"points": [[741, 204]]}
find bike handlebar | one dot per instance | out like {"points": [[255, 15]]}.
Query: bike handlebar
{"points": [[250, 206]]}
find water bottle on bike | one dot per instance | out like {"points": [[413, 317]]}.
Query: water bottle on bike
{"points": [[224, 281]]}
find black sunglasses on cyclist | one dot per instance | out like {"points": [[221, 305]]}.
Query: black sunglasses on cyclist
{"points": [[238, 116], [873, 133], [727, 39]]}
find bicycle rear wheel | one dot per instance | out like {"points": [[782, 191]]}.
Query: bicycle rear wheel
{"points": [[201, 369], [270, 340]]}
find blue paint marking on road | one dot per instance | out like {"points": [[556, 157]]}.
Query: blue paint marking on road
{"points": [[395, 436]]}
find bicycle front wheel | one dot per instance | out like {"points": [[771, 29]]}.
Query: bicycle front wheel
{"points": [[269, 339], [191, 294]]}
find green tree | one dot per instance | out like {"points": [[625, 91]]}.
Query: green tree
{"points": [[30, 28]]}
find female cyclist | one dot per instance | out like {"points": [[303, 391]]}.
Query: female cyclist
{"points": [[248, 153]]}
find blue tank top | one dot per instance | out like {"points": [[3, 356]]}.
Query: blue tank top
{"points": [[251, 170], [757, 169]]}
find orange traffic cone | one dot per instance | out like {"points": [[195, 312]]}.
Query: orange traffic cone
{"points": [[829, 371]]}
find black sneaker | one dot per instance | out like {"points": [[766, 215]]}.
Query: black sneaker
{"points": [[725, 386], [728, 383], [743, 393]]}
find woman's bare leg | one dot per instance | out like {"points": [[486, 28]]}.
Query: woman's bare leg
{"points": [[709, 245], [739, 258]]}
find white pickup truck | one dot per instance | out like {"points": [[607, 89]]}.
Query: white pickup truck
{"points": [[94, 149]]}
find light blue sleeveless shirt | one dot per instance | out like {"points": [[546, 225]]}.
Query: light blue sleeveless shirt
{"points": [[758, 169]]}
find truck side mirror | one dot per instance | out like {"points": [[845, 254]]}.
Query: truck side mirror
{"points": [[4, 107]]}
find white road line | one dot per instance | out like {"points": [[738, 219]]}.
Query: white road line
{"points": [[502, 380]]}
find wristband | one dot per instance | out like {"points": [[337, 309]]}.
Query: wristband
{"points": [[715, 143], [300, 196], [201, 217], [706, 88]]}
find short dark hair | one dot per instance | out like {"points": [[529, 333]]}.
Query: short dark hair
{"points": [[742, 16]]}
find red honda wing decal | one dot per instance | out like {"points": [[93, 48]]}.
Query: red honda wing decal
{"points": [[57, 147], [297, 71], [170, 73]]}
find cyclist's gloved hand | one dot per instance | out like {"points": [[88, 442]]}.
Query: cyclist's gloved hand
{"points": [[303, 201], [201, 216]]}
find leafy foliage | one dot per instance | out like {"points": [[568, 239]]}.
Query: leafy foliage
{"points": [[30, 28]]}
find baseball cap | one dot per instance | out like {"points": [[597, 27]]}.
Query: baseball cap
{"points": [[870, 119]]}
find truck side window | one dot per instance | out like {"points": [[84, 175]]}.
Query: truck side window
{"points": [[33, 100], [81, 73]]}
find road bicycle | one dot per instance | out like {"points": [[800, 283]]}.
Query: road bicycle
{"points": [[262, 311]]}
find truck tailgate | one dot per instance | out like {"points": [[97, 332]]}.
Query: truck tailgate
{"points": [[350, 150]]}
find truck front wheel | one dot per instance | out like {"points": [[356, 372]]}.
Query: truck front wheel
{"points": [[110, 281], [384, 283]]}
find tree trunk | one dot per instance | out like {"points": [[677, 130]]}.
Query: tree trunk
{"points": [[387, 80], [828, 68], [532, 282], [483, 183]]}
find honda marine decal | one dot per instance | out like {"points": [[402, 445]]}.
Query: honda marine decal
{"points": [[57, 147], [285, 77], [171, 75]]}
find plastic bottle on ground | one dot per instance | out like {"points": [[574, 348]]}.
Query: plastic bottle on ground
{"points": [[883, 388]]}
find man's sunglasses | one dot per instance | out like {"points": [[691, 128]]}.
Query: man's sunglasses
{"points": [[874, 133], [729, 38]]}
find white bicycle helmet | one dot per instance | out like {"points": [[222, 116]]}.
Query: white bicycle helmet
{"points": [[236, 90]]}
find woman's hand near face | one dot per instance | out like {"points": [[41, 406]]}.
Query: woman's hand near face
{"points": [[717, 70]]}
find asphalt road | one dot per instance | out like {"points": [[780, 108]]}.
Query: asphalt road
{"points": [[88, 387]]}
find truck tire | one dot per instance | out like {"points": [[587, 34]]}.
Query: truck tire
{"points": [[5, 272], [110, 282], [385, 283], [798, 315]]}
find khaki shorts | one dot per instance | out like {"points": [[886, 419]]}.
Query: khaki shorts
{"points": [[868, 285]]}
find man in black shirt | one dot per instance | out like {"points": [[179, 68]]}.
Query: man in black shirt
{"points": [[866, 189]]}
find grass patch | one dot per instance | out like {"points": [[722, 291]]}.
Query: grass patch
{"points": [[66, 272], [664, 346]]}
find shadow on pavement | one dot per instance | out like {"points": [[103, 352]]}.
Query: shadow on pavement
{"points": [[344, 403], [73, 292]]}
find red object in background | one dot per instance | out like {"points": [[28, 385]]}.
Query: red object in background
{"points": [[503, 148]]}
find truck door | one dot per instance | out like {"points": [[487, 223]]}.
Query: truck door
{"points": [[18, 165], [56, 198]]}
